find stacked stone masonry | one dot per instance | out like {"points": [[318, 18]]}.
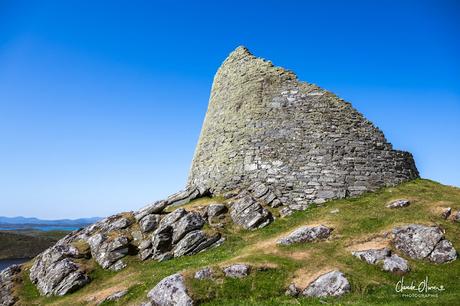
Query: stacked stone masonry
{"points": [[306, 144]]}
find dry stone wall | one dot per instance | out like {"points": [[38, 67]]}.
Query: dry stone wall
{"points": [[303, 142]]}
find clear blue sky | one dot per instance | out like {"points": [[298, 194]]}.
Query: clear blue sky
{"points": [[101, 102]]}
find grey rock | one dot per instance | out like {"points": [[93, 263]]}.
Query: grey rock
{"points": [[149, 223], [171, 218], [395, 264], [57, 278], [107, 251], [114, 296], [8, 278], [55, 273], [171, 291], [399, 203], [205, 273], [216, 210], [194, 242], [191, 221], [292, 290], [145, 254], [162, 241], [306, 234], [237, 271], [249, 214], [372, 256], [333, 283], [416, 241], [189, 243], [443, 252], [154, 208], [286, 212], [118, 265], [121, 223], [145, 244], [184, 196], [446, 213]]}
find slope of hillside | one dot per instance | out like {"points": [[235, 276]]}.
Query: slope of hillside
{"points": [[356, 221], [27, 243]]}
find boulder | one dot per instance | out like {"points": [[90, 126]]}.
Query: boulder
{"points": [[149, 223], [171, 218], [54, 271], [114, 296], [395, 264], [306, 234], [107, 251], [161, 241], [8, 278], [154, 208], [399, 203], [237, 271], [205, 273], [443, 252], [417, 241], [249, 214], [185, 196], [372, 256], [189, 243], [170, 291], [191, 221], [58, 278], [332, 283]]}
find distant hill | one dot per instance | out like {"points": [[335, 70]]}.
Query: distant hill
{"points": [[24, 220]]}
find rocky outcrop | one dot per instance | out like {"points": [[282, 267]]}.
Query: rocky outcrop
{"points": [[179, 233], [55, 271], [399, 203], [306, 234], [420, 242], [8, 279], [108, 251], [171, 291], [333, 283], [150, 232]]}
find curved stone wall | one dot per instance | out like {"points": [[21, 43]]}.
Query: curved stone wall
{"points": [[303, 142]]}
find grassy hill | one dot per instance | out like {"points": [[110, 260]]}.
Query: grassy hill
{"points": [[363, 220], [26, 243]]}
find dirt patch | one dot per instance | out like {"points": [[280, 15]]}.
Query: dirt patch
{"points": [[100, 295], [373, 242], [303, 277]]}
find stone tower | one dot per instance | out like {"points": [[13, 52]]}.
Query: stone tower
{"points": [[304, 143]]}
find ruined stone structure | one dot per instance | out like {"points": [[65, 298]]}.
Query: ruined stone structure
{"points": [[304, 143]]}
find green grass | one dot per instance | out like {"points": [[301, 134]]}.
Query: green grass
{"points": [[358, 220]]}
